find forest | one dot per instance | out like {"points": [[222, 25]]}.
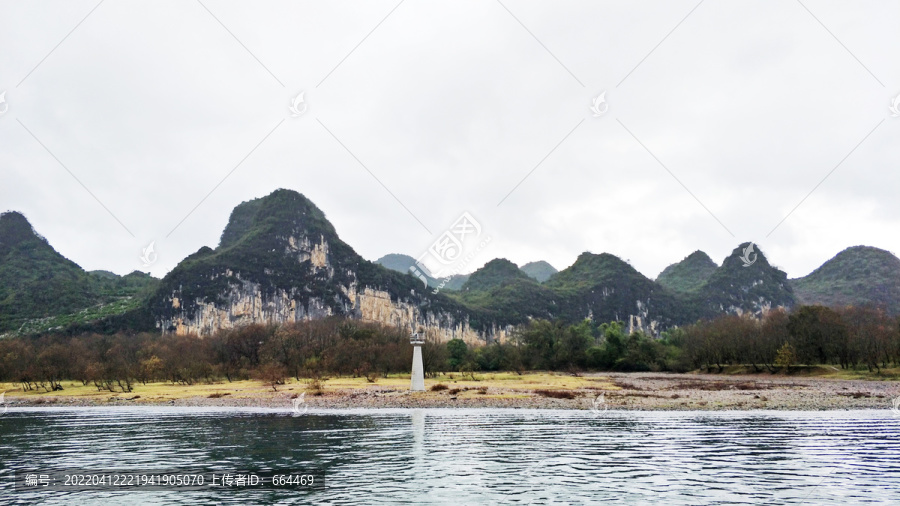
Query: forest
{"points": [[849, 338]]}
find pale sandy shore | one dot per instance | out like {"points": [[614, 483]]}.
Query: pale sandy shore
{"points": [[614, 391]]}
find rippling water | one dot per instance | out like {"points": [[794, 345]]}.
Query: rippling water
{"points": [[471, 456]]}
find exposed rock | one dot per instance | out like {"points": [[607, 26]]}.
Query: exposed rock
{"points": [[280, 261]]}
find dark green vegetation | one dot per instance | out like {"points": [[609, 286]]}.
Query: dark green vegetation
{"points": [[850, 338], [40, 289], [505, 294], [546, 345], [276, 244], [602, 286], [494, 274], [609, 289], [856, 276], [689, 274]]}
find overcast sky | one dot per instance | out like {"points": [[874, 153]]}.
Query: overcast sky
{"points": [[722, 117]]}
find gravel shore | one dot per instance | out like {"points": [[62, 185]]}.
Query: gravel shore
{"points": [[629, 391]]}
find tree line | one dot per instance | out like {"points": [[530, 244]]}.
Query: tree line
{"points": [[271, 353], [849, 337]]}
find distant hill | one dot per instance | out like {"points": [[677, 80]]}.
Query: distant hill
{"points": [[540, 270], [493, 274], [689, 274], [104, 274], [401, 263], [608, 288], [860, 275], [396, 262], [503, 293], [603, 287]]}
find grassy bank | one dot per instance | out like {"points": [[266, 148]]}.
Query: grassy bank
{"points": [[467, 385], [812, 388]]}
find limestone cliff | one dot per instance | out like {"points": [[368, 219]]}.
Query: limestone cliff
{"points": [[281, 261], [246, 304]]}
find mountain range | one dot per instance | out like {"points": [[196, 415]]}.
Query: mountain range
{"points": [[280, 260], [540, 271]]}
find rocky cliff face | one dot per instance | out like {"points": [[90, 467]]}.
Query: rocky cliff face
{"points": [[245, 303], [280, 261]]}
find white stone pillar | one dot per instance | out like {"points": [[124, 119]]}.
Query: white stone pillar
{"points": [[417, 382]]}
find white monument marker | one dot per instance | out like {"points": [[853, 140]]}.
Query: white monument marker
{"points": [[417, 382]]}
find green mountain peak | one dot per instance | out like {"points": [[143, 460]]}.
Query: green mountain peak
{"points": [[689, 274], [746, 282], [590, 269], [493, 274], [858, 275]]}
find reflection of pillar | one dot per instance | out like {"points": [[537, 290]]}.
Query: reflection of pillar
{"points": [[418, 454], [417, 382], [418, 427]]}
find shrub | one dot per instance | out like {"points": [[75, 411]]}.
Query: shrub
{"points": [[556, 394], [786, 356], [272, 374], [315, 386]]}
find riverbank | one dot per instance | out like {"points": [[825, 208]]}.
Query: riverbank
{"points": [[599, 391]]}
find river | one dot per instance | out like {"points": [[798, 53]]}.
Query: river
{"points": [[458, 456]]}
